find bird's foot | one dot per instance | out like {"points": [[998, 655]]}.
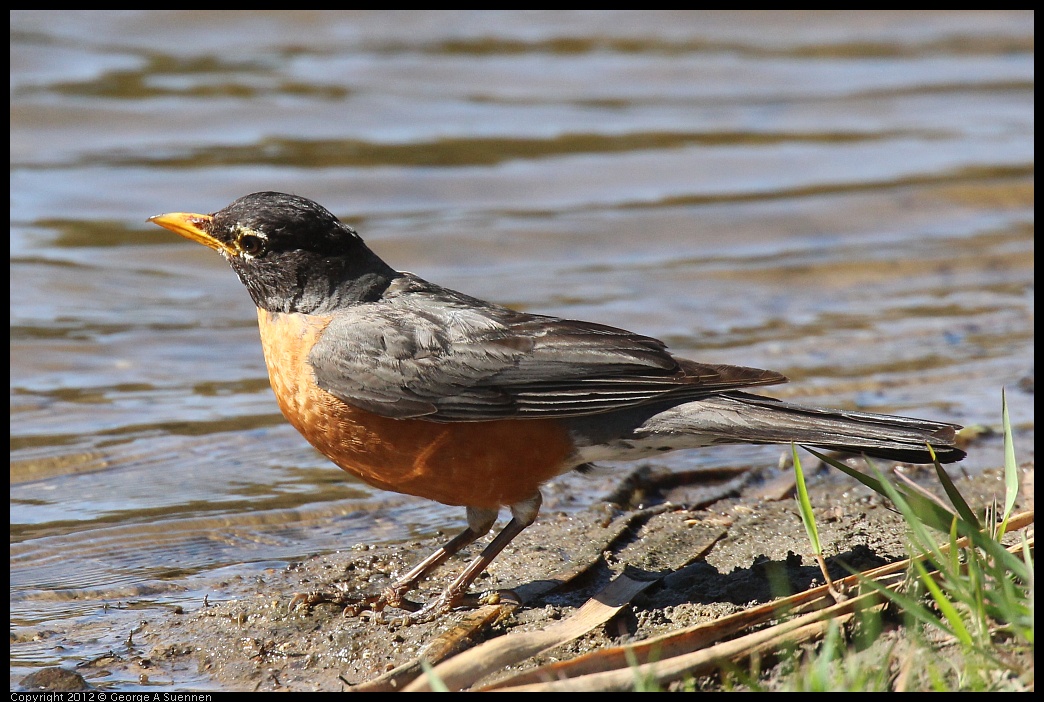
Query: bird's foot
{"points": [[448, 601], [353, 605], [373, 607], [311, 599]]}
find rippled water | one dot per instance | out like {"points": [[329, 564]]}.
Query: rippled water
{"points": [[846, 198]]}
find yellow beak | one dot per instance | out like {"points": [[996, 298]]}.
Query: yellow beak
{"points": [[192, 226]]}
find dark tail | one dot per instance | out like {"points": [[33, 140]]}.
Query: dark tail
{"points": [[757, 419]]}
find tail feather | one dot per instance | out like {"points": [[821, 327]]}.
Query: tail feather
{"points": [[739, 417]]}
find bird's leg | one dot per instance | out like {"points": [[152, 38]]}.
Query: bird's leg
{"points": [[480, 521], [523, 514]]}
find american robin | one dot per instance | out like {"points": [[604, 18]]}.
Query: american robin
{"points": [[423, 390]]}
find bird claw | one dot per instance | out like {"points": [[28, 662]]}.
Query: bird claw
{"points": [[310, 599], [446, 602], [429, 612], [372, 608]]}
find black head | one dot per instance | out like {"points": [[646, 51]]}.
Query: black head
{"points": [[292, 254]]}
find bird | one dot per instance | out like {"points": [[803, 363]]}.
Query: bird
{"points": [[422, 390]]}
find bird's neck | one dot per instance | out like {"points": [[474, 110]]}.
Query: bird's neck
{"points": [[321, 285]]}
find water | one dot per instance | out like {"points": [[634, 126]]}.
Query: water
{"points": [[845, 198]]}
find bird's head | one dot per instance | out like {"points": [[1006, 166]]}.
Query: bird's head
{"points": [[292, 254]]}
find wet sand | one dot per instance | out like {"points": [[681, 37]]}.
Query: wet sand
{"points": [[708, 544]]}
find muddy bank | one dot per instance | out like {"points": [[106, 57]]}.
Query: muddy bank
{"points": [[702, 546]]}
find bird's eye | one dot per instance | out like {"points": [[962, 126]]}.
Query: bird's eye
{"points": [[251, 244]]}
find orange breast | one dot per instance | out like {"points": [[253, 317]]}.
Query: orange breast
{"points": [[478, 464]]}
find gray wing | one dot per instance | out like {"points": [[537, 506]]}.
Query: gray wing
{"points": [[425, 351]]}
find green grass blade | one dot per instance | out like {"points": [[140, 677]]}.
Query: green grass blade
{"points": [[908, 605], [437, 684], [915, 517], [935, 516], [808, 518], [1011, 467], [928, 510], [945, 606], [954, 495]]}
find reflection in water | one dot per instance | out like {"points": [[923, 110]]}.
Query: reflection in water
{"points": [[845, 200]]}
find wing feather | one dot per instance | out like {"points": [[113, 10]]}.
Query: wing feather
{"points": [[425, 351]]}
